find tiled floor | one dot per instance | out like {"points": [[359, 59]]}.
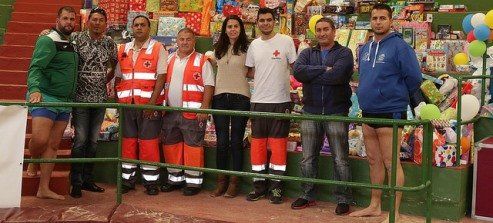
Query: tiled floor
{"points": [[174, 207]]}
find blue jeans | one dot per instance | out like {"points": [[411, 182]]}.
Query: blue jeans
{"points": [[227, 101], [312, 133], [87, 124]]}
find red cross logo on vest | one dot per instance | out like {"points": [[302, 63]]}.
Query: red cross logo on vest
{"points": [[276, 53], [147, 64], [196, 76]]}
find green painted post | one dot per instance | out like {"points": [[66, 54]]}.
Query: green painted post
{"points": [[459, 120], [119, 163], [393, 174], [427, 165], [483, 80]]}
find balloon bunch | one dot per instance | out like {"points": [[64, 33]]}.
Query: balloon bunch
{"points": [[478, 28]]}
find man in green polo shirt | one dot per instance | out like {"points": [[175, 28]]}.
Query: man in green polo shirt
{"points": [[52, 77]]}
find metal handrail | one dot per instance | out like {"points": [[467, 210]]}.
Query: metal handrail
{"points": [[392, 188]]}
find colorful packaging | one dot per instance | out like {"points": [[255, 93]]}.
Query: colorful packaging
{"points": [[190, 5], [431, 92], [193, 20], [169, 26], [445, 156], [117, 11], [152, 5], [168, 5], [137, 5]]}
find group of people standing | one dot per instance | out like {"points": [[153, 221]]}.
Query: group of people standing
{"points": [[146, 75]]}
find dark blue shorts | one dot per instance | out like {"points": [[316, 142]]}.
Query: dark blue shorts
{"points": [[46, 113], [395, 115]]}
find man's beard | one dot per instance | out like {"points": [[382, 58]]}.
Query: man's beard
{"points": [[66, 32]]}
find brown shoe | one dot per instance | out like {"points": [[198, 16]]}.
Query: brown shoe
{"points": [[233, 187], [222, 184]]}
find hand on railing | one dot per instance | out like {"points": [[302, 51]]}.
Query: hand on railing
{"points": [[35, 97]]}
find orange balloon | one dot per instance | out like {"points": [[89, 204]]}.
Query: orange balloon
{"points": [[491, 36], [465, 143]]}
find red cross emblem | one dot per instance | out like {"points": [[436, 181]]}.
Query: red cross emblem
{"points": [[196, 76], [147, 64], [276, 53]]}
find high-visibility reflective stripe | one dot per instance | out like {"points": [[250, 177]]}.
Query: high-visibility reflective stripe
{"points": [[193, 87], [137, 92], [193, 173], [124, 94], [143, 94], [277, 167], [145, 76], [139, 76], [127, 176], [258, 167], [173, 170], [175, 178], [258, 179], [194, 180], [148, 167], [191, 104], [196, 62], [150, 177], [129, 165]]}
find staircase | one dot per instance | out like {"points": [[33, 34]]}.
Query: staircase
{"points": [[27, 20]]}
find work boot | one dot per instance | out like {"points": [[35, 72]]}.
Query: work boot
{"points": [[222, 183], [232, 187]]}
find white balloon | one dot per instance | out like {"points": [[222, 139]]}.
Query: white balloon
{"points": [[477, 19], [470, 107]]}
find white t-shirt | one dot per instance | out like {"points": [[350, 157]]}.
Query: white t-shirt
{"points": [[271, 59], [176, 83]]}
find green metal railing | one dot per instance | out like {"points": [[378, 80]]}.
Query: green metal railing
{"points": [[459, 107], [425, 183]]}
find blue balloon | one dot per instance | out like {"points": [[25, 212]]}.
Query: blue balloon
{"points": [[466, 23], [482, 32]]}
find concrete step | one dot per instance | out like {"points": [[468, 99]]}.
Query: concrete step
{"points": [[12, 92], [26, 39], [15, 64], [38, 17], [32, 27], [28, 27], [65, 144], [58, 166], [16, 51], [42, 7], [13, 77], [59, 183]]}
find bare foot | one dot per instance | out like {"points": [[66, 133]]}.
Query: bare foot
{"points": [[32, 169], [367, 212], [48, 194], [397, 218]]}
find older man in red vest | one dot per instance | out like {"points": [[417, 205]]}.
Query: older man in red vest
{"points": [[140, 79], [189, 84]]}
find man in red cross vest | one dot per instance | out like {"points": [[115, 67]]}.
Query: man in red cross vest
{"points": [[140, 79], [189, 84]]}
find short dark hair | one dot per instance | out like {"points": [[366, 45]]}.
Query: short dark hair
{"points": [[327, 20], [381, 6], [99, 11], [186, 30], [142, 16], [65, 8], [266, 11]]}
